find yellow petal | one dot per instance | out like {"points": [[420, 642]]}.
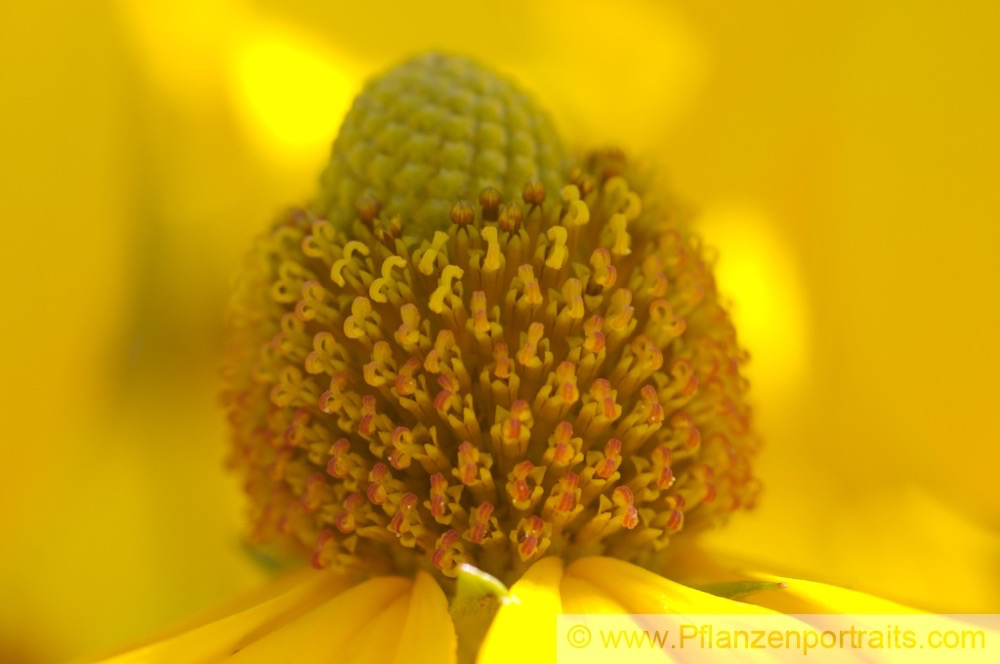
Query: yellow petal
{"points": [[377, 622], [415, 628], [812, 597], [322, 634], [378, 641], [581, 596], [218, 638], [891, 522], [801, 598], [865, 612], [429, 634], [597, 587], [642, 591], [525, 626]]}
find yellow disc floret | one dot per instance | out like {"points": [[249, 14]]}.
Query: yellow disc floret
{"points": [[532, 369]]}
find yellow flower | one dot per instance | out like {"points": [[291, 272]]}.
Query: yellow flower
{"points": [[844, 156], [452, 371]]}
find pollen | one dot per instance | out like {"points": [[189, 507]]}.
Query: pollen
{"points": [[470, 350]]}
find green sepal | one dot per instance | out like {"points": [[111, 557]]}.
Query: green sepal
{"points": [[478, 597], [738, 589]]}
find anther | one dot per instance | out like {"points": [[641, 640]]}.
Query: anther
{"points": [[480, 322], [558, 251], [450, 274], [604, 273], [339, 464], [429, 257], [408, 333], [492, 261], [368, 207], [622, 497], [530, 537], [489, 201], [346, 519], [379, 478], [510, 216], [323, 552], [612, 459], [534, 192], [462, 213], [479, 522]]}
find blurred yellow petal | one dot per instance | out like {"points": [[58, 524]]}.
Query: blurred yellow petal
{"points": [[378, 641], [315, 615], [581, 596], [584, 598], [178, 41], [642, 591], [897, 542], [224, 636], [757, 268], [524, 627], [862, 611], [812, 597], [429, 635], [318, 636], [801, 598], [292, 91], [820, 116], [648, 60]]}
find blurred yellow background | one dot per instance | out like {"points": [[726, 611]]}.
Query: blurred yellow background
{"points": [[844, 157]]}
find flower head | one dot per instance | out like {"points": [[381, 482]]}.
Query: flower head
{"points": [[470, 349], [474, 357]]}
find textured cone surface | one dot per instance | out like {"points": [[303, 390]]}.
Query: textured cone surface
{"points": [[435, 129], [549, 372]]}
